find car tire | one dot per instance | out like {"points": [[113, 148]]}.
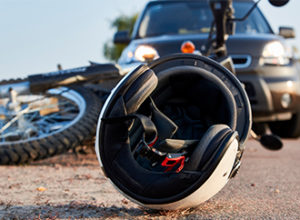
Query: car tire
{"points": [[260, 128], [287, 129]]}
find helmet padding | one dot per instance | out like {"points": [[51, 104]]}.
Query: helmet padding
{"points": [[181, 109]]}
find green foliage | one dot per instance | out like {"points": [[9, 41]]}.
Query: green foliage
{"points": [[125, 22], [113, 51]]}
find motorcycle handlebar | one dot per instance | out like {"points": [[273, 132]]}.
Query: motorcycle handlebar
{"points": [[42, 82]]}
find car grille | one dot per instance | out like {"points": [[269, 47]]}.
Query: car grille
{"points": [[241, 61]]}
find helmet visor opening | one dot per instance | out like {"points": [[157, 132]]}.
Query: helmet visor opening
{"points": [[194, 104]]}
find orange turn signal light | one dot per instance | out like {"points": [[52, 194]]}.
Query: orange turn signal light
{"points": [[188, 47]]}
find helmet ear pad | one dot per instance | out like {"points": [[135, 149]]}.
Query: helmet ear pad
{"points": [[139, 90], [207, 146]]}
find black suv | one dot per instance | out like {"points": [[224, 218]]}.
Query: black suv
{"points": [[262, 61]]}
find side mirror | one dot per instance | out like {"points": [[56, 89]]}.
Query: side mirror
{"points": [[287, 32], [122, 37], [278, 3]]}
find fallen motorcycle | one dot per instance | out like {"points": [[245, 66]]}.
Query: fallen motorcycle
{"points": [[47, 114]]}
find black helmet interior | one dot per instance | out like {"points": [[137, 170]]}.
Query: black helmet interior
{"points": [[163, 133]]}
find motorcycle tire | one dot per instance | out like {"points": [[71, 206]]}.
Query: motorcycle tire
{"points": [[50, 124]]}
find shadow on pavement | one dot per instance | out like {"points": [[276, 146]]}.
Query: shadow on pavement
{"points": [[76, 210]]}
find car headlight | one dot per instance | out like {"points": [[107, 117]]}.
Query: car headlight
{"points": [[141, 53], [275, 53], [145, 53]]}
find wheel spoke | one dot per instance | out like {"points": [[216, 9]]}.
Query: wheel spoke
{"points": [[40, 115]]}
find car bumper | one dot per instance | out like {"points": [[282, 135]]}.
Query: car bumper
{"points": [[266, 91], [265, 86]]}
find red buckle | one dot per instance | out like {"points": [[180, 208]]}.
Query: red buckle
{"points": [[170, 163]]}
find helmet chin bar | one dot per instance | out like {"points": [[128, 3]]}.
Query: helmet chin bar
{"points": [[150, 154], [218, 179], [210, 187]]}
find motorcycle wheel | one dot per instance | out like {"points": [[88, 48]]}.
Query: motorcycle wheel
{"points": [[46, 124]]}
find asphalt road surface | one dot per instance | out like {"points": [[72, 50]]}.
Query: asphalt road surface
{"points": [[71, 187]]}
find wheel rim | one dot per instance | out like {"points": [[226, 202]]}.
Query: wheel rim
{"points": [[40, 116]]}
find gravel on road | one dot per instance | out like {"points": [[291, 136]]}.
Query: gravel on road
{"points": [[71, 187]]}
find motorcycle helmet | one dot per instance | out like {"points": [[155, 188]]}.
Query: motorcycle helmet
{"points": [[172, 133]]}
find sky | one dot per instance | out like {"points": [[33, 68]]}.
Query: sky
{"points": [[36, 35]]}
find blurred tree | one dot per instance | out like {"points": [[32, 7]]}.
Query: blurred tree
{"points": [[113, 51]]}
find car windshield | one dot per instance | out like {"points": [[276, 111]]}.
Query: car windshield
{"points": [[170, 18]]}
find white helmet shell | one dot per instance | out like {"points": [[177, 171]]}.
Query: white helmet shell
{"points": [[171, 134]]}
